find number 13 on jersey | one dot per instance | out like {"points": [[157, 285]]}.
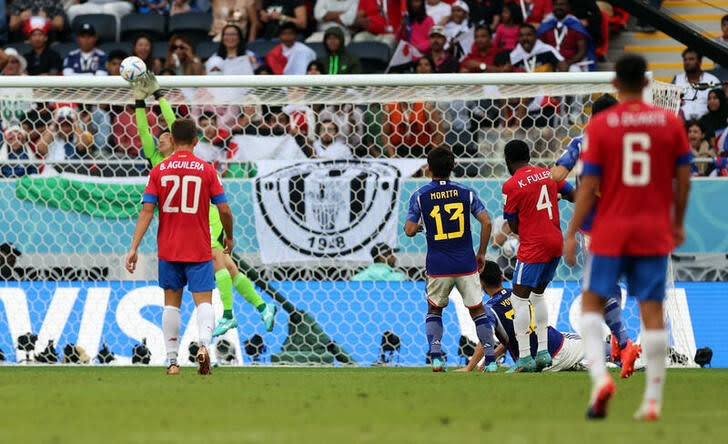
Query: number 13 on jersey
{"points": [[455, 211]]}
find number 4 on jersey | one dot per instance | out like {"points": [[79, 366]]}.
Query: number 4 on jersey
{"points": [[544, 203]]}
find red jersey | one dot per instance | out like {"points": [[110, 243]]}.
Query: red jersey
{"points": [[635, 148], [565, 40], [183, 186], [531, 198]]}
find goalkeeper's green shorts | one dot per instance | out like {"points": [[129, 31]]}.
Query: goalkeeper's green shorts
{"points": [[216, 230]]}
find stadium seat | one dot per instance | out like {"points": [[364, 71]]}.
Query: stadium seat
{"points": [[205, 50], [374, 56], [105, 25], [319, 48], [160, 49], [64, 48], [133, 25], [111, 46], [194, 25], [262, 47], [21, 47]]}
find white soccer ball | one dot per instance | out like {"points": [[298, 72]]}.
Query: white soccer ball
{"points": [[510, 247], [132, 68]]}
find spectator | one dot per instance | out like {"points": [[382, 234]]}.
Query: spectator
{"points": [[533, 55], [534, 11], [113, 62], [716, 120], [723, 38], [24, 10], [87, 60], [590, 17], [232, 57], [695, 101], [420, 25], [215, 145], [3, 22], [439, 11], [16, 63], [425, 65], [263, 70], [506, 35], [411, 129], [127, 143], [143, 48], [701, 148], [179, 7], [116, 8], [315, 68], [482, 53], [275, 13], [348, 120], [334, 13], [565, 32], [289, 56], [383, 267], [241, 13], [444, 61], [372, 23], [15, 147], [485, 12], [42, 60], [153, 6], [327, 145], [337, 59], [65, 139], [181, 57], [458, 31]]}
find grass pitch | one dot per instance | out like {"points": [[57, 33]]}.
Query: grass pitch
{"points": [[293, 405]]}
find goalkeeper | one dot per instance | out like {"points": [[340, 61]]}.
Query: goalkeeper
{"points": [[227, 274]]}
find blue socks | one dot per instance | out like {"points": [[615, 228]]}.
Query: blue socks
{"points": [[484, 330], [613, 318], [433, 328]]}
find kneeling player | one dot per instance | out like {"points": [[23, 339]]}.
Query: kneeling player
{"points": [[566, 349], [445, 207], [531, 208]]}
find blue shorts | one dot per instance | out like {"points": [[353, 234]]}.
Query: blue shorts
{"points": [[646, 276], [198, 276], [585, 238], [535, 275]]}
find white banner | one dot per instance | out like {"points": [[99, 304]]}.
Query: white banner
{"points": [[327, 209]]}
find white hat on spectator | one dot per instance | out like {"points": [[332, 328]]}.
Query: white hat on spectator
{"points": [[437, 29], [15, 129], [12, 52], [65, 113], [462, 5]]}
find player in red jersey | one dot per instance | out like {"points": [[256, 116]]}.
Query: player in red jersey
{"points": [[632, 152], [532, 210], [183, 186]]}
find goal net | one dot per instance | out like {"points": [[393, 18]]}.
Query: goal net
{"points": [[318, 172]]}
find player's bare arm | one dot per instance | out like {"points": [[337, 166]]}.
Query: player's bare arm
{"points": [[412, 228], [226, 217], [485, 229], [682, 190], [145, 219], [513, 225], [570, 196], [586, 197], [559, 173]]}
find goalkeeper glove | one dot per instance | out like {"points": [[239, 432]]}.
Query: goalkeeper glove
{"points": [[146, 85]]}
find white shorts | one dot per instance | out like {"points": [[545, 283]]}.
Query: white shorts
{"points": [[570, 355], [438, 289]]}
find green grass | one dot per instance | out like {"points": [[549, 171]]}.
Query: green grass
{"points": [[98, 405]]}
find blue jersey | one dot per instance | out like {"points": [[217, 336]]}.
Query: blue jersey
{"points": [[569, 160], [500, 306], [444, 208], [88, 64]]}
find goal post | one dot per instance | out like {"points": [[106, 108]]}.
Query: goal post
{"points": [[317, 169]]}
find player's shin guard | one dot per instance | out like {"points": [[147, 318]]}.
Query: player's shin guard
{"points": [[522, 324], [613, 318], [205, 322], [654, 345], [247, 291], [170, 327], [225, 285], [433, 328], [484, 330], [541, 319], [591, 332]]}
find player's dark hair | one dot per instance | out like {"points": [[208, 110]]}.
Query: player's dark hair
{"points": [[492, 276], [184, 131], [441, 162], [517, 151], [697, 53], [602, 103], [630, 70]]}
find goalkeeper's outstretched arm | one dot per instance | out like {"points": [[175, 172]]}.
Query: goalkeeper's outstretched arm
{"points": [[144, 87]]}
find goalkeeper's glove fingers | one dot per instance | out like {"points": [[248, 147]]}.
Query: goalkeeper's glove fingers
{"points": [[138, 89], [152, 85]]}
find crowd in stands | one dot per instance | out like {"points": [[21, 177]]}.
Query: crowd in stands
{"points": [[303, 37]]}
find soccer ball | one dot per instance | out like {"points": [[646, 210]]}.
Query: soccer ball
{"points": [[132, 68], [510, 247]]}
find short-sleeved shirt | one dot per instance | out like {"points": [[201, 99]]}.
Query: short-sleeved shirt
{"points": [[531, 198], [47, 62], [285, 7], [444, 208], [635, 149], [500, 307], [564, 39], [183, 187], [89, 64], [52, 8], [569, 160]]}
